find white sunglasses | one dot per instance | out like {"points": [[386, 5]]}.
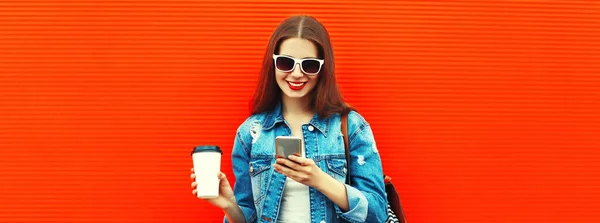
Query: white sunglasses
{"points": [[310, 66]]}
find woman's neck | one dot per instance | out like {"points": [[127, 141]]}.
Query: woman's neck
{"points": [[296, 106]]}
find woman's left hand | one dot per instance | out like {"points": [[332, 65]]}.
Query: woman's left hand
{"points": [[300, 169]]}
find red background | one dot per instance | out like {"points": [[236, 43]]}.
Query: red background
{"points": [[484, 111]]}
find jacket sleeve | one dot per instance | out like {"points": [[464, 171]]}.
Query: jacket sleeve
{"points": [[366, 197], [242, 188]]}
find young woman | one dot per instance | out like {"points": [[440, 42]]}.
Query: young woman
{"points": [[297, 95]]}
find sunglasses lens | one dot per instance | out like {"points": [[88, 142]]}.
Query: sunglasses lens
{"points": [[311, 66], [284, 63]]}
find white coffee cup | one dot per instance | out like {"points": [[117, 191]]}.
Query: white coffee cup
{"points": [[207, 166]]}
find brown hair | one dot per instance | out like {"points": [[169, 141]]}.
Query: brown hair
{"points": [[326, 98]]}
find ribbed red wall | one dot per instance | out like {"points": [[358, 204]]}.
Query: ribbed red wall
{"points": [[484, 111]]}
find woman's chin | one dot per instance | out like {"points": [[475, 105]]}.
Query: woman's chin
{"points": [[295, 95]]}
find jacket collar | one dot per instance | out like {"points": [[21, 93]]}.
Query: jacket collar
{"points": [[275, 116]]}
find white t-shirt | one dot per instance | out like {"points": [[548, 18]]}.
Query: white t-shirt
{"points": [[295, 203]]}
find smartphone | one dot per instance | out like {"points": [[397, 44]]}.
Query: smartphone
{"points": [[288, 145]]}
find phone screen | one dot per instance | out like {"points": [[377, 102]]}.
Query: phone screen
{"points": [[288, 145]]}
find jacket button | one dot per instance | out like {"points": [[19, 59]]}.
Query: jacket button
{"points": [[311, 128]]}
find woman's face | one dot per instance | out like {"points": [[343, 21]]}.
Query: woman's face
{"points": [[295, 83]]}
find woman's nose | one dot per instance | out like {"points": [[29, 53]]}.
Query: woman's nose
{"points": [[297, 72]]}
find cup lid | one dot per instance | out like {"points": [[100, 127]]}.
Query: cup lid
{"points": [[207, 148]]}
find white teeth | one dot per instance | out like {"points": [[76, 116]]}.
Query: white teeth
{"points": [[296, 85]]}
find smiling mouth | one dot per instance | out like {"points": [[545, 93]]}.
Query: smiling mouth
{"points": [[296, 84]]}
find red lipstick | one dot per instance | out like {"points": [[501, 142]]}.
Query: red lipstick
{"points": [[296, 86]]}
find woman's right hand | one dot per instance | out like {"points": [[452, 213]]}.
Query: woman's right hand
{"points": [[226, 199]]}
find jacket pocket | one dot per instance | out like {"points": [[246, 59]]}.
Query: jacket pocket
{"points": [[259, 173], [337, 168]]}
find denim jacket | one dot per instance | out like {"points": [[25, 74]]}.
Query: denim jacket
{"points": [[258, 188]]}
